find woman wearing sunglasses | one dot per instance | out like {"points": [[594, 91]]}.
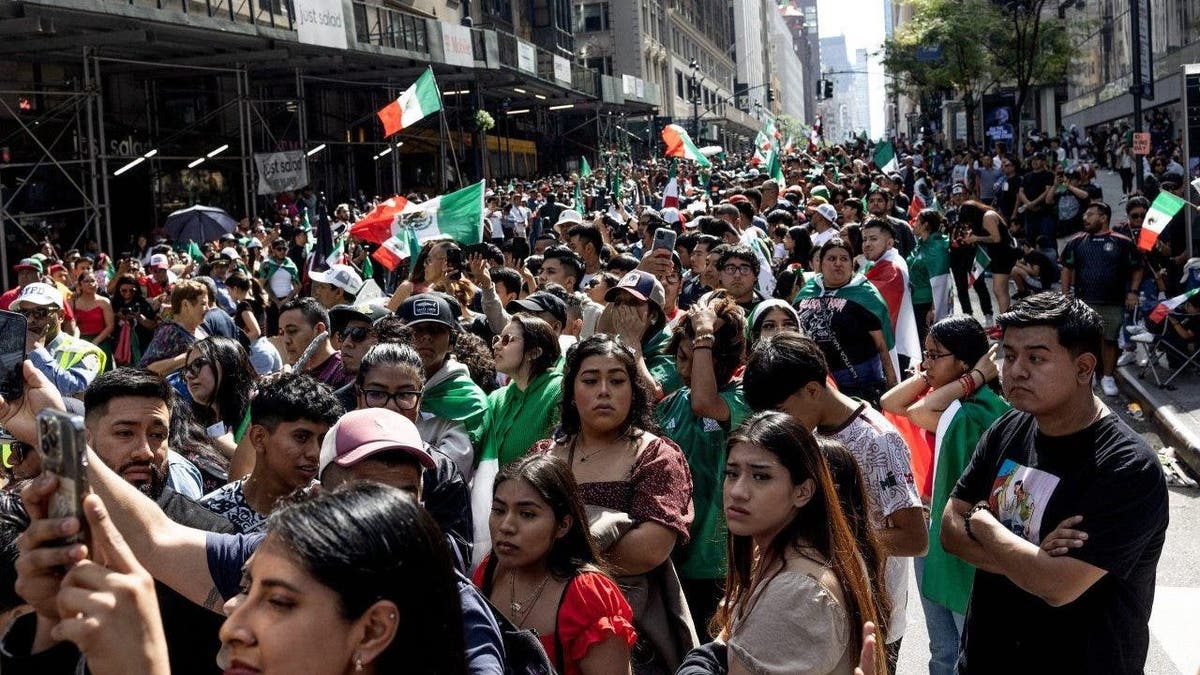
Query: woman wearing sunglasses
{"points": [[220, 380]]}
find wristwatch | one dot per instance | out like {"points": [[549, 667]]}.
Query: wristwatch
{"points": [[980, 506]]}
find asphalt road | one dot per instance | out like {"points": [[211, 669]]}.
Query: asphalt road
{"points": [[1175, 620]]}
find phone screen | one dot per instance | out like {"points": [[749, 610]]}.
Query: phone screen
{"points": [[12, 354]]}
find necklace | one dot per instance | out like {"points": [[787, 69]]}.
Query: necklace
{"points": [[585, 457], [522, 607]]}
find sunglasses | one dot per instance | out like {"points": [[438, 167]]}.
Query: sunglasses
{"points": [[197, 366], [13, 452], [378, 398], [37, 313], [504, 340], [357, 333]]}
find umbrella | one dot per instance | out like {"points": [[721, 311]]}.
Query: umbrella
{"points": [[199, 224]]}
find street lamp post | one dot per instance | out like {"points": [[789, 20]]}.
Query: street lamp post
{"points": [[695, 92]]}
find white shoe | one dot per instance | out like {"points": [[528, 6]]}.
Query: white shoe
{"points": [[1109, 385], [1127, 358]]}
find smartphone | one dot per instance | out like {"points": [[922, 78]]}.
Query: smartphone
{"points": [[12, 355], [664, 238], [64, 451], [476, 249]]}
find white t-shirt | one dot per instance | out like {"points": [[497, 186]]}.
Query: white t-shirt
{"points": [[819, 238], [281, 283], [886, 465], [517, 218]]}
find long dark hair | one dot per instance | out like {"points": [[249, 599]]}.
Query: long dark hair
{"points": [[537, 334], [234, 378], [368, 542], [963, 336], [820, 524], [554, 482], [640, 417], [852, 495]]}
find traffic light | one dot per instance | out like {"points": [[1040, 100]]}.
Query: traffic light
{"points": [[828, 88], [770, 94]]}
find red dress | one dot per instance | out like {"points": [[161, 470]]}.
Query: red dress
{"points": [[592, 610]]}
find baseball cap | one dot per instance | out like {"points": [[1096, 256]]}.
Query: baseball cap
{"points": [[38, 293], [569, 216], [958, 189], [641, 285], [159, 261], [362, 433], [342, 276], [29, 264], [540, 301], [231, 253], [819, 190], [340, 315], [426, 308], [828, 212]]}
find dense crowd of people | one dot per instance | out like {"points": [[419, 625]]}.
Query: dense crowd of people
{"points": [[659, 419]]}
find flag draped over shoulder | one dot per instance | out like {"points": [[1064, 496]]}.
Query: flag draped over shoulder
{"points": [[935, 252], [860, 291], [670, 197], [679, 144], [947, 579], [418, 101], [889, 274]]}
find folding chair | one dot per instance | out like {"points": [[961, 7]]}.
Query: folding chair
{"points": [[1160, 353]]}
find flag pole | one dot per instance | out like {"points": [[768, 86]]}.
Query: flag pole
{"points": [[453, 154]]}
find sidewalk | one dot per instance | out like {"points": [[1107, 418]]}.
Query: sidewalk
{"points": [[1176, 409]]}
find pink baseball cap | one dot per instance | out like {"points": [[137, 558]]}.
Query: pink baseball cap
{"points": [[362, 433]]}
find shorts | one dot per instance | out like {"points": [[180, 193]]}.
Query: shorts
{"points": [[1003, 257], [1112, 318]]}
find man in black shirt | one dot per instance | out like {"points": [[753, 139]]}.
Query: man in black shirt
{"points": [[1033, 200], [1103, 269], [1048, 598]]}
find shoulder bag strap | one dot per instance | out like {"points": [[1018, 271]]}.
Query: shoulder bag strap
{"points": [[559, 663]]}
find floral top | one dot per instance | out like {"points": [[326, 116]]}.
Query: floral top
{"points": [[658, 488], [170, 340]]}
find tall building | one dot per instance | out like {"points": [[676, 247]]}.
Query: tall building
{"points": [[1098, 89], [787, 72]]}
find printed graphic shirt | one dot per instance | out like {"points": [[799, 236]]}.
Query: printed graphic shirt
{"points": [[230, 503], [1033, 482], [886, 465]]}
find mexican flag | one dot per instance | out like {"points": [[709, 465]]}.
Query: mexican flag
{"points": [[860, 291], [679, 144], [982, 262], [376, 226], [421, 99], [889, 274], [671, 190], [774, 166], [947, 580], [935, 252], [457, 216], [1164, 208], [585, 169], [338, 255], [885, 157], [1162, 309]]}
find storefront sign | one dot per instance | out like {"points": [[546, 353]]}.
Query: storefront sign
{"points": [[280, 171], [456, 41], [321, 22], [526, 57], [562, 69], [1141, 143]]}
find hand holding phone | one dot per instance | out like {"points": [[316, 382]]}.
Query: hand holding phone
{"points": [[63, 446], [13, 328]]}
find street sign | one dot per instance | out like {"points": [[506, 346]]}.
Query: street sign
{"points": [[1141, 143], [1144, 75]]}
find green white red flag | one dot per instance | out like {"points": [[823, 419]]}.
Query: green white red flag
{"points": [[457, 216], [418, 101], [679, 144], [1162, 309], [1164, 208]]}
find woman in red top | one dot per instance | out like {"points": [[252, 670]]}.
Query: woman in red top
{"points": [[93, 313], [544, 572]]}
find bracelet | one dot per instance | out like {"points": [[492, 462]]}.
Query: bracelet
{"points": [[981, 377], [968, 385]]}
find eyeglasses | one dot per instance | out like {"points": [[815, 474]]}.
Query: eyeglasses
{"points": [[13, 452], [196, 366], [934, 356], [744, 270], [357, 333], [378, 398], [37, 313], [504, 340]]}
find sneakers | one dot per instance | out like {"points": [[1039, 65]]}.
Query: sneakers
{"points": [[1109, 385], [1127, 358]]}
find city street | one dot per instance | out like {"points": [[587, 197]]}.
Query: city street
{"points": [[1174, 646]]}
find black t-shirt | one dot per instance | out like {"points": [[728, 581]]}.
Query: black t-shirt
{"points": [[1035, 183], [1111, 477], [1102, 264], [841, 327]]}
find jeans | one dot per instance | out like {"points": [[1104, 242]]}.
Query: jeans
{"points": [[945, 630], [961, 260]]}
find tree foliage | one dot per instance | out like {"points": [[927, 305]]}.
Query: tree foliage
{"points": [[967, 47]]}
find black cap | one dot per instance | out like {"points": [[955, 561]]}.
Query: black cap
{"points": [[426, 308], [541, 301]]}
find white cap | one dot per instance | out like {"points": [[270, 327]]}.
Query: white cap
{"points": [[159, 261], [569, 216], [342, 276], [828, 212], [231, 253], [38, 293]]}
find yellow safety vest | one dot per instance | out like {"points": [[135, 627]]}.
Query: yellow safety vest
{"points": [[72, 351]]}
